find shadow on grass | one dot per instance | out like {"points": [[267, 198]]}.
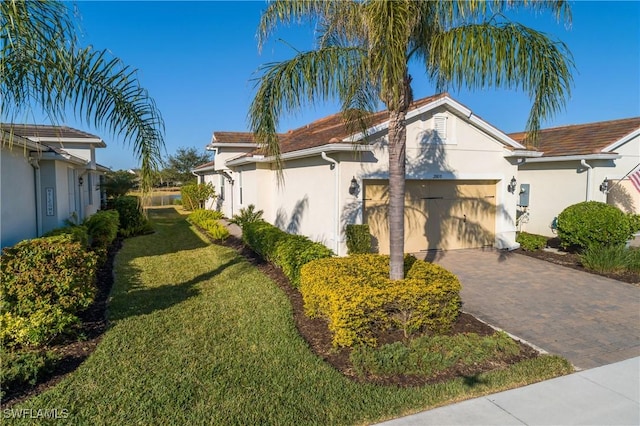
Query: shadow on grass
{"points": [[146, 300], [473, 381], [133, 296]]}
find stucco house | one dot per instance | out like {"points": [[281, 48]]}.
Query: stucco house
{"points": [[460, 182], [48, 174], [586, 162]]}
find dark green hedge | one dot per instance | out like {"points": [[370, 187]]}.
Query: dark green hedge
{"points": [[287, 251]]}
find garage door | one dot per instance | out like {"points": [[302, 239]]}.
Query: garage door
{"points": [[443, 215]]}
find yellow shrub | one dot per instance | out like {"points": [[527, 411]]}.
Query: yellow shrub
{"points": [[357, 298]]}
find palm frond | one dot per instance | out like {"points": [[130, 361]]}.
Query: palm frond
{"points": [[41, 64], [509, 56]]}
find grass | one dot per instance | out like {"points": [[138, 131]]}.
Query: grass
{"points": [[615, 259], [199, 336]]}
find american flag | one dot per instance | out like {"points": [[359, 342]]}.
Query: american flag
{"points": [[635, 179]]}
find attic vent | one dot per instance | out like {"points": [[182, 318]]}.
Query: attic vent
{"points": [[440, 126]]}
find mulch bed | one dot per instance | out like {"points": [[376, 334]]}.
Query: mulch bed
{"points": [[572, 260], [314, 331]]}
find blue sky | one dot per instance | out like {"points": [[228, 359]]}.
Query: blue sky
{"points": [[198, 59]]}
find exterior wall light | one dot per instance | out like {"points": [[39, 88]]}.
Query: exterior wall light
{"points": [[511, 187], [80, 181], [354, 188], [604, 186]]}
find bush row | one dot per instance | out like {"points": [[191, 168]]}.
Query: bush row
{"points": [[132, 219], [358, 299], [209, 221], [287, 251], [45, 282]]}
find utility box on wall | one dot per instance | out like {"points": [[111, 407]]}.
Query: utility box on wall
{"points": [[524, 195]]}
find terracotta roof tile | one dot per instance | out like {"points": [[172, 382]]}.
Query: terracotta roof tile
{"points": [[581, 139], [324, 131], [45, 131], [205, 165]]}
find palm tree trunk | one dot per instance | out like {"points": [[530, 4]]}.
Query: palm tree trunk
{"points": [[397, 157]]}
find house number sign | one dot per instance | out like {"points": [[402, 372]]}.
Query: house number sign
{"points": [[49, 192]]}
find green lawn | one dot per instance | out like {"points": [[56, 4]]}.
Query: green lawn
{"points": [[199, 336]]}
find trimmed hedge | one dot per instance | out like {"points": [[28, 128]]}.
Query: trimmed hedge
{"points": [[208, 220], [45, 282], [132, 220], [358, 239], [287, 251], [531, 242], [357, 297], [103, 228], [593, 223], [78, 233]]}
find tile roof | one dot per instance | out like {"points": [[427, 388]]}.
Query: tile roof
{"points": [[45, 131], [324, 131], [581, 139], [204, 166]]}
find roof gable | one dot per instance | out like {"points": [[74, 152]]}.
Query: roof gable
{"points": [[332, 130], [583, 139]]}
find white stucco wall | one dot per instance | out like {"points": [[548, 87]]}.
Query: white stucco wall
{"points": [[17, 197], [558, 185], [308, 203]]}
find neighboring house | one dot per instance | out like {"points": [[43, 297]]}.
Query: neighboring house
{"points": [[460, 179], [585, 162], [48, 174]]}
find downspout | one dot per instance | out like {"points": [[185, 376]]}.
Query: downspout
{"points": [[336, 221], [36, 169], [589, 168]]}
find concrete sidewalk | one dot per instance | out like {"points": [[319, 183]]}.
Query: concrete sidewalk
{"points": [[608, 395]]}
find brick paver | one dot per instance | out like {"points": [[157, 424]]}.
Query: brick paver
{"points": [[588, 319]]}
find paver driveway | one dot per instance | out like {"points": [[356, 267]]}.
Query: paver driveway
{"points": [[588, 319]]}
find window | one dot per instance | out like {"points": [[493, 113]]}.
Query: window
{"points": [[240, 185], [222, 179], [90, 186]]}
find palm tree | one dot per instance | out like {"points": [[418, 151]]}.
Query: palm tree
{"points": [[363, 53], [41, 64]]}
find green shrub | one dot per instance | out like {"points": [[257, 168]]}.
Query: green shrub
{"points": [[287, 251], [200, 215], [247, 215], [428, 355], [358, 299], [593, 223], [194, 196], [358, 239], [103, 228], [78, 233], [531, 242], [208, 221], [605, 259], [634, 222], [633, 260], [44, 282], [21, 367], [132, 219]]}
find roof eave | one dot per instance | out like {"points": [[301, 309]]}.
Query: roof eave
{"points": [[94, 141], [558, 158], [621, 141], [520, 153], [303, 153]]}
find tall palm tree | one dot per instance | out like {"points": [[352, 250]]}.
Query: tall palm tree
{"points": [[363, 53], [41, 64]]}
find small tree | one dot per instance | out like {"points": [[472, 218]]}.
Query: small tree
{"points": [[194, 196], [120, 182], [178, 167]]}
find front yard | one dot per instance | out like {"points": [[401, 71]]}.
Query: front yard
{"points": [[198, 335]]}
